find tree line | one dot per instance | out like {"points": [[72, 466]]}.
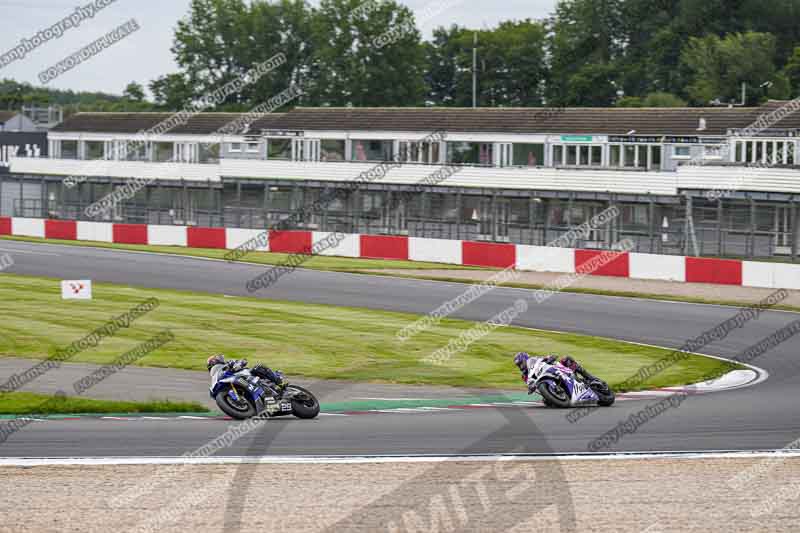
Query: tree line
{"points": [[371, 53]]}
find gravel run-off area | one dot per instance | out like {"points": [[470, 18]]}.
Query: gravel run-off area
{"points": [[638, 495]]}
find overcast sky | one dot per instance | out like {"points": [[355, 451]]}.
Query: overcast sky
{"points": [[145, 54]]}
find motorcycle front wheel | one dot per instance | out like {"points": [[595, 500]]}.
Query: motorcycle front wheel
{"points": [[606, 397], [240, 410], [304, 403], [553, 392]]}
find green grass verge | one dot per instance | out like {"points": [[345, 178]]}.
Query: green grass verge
{"points": [[317, 262], [319, 341], [27, 403]]}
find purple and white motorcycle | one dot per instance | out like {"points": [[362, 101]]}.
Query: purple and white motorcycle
{"points": [[561, 387]]}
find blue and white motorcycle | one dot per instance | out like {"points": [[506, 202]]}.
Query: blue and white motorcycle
{"points": [[561, 387], [242, 395]]}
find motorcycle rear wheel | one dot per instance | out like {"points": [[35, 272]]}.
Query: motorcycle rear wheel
{"points": [[241, 410], [559, 397]]}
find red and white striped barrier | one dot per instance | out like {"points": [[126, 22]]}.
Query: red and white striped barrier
{"points": [[496, 255]]}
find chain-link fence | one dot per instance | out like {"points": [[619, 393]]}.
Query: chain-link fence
{"points": [[726, 228]]}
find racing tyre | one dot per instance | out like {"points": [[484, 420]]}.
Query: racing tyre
{"points": [[605, 396], [240, 410], [304, 404], [553, 393], [606, 399]]}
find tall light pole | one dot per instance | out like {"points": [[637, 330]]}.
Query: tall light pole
{"points": [[475, 72]]}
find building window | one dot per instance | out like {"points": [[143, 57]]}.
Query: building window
{"points": [[767, 152], [682, 152], [253, 148], [616, 155], [332, 150], [280, 149], [712, 152], [558, 155], [572, 155], [528, 155], [644, 156], [583, 158], [577, 155], [95, 150], [209, 153], [597, 156], [655, 157], [372, 150], [466, 153], [235, 147], [416, 152], [136, 152], [69, 149], [163, 152]]}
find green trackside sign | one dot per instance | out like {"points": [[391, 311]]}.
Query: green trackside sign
{"points": [[577, 138]]}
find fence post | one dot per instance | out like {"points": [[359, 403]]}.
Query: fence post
{"points": [[43, 196], [459, 214], [495, 222], [795, 229], [651, 217], [687, 225], [720, 220], [753, 219], [546, 225], [239, 204], [531, 219], [62, 196]]}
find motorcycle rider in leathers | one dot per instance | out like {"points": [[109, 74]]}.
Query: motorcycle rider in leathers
{"points": [[525, 363]]}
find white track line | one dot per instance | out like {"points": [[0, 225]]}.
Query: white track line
{"points": [[388, 459]]}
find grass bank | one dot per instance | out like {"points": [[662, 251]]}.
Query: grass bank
{"points": [[316, 341], [27, 403]]}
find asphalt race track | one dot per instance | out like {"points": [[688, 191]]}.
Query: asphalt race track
{"points": [[765, 416]]}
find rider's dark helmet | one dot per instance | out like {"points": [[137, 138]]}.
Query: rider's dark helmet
{"points": [[521, 360], [215, 360]]}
